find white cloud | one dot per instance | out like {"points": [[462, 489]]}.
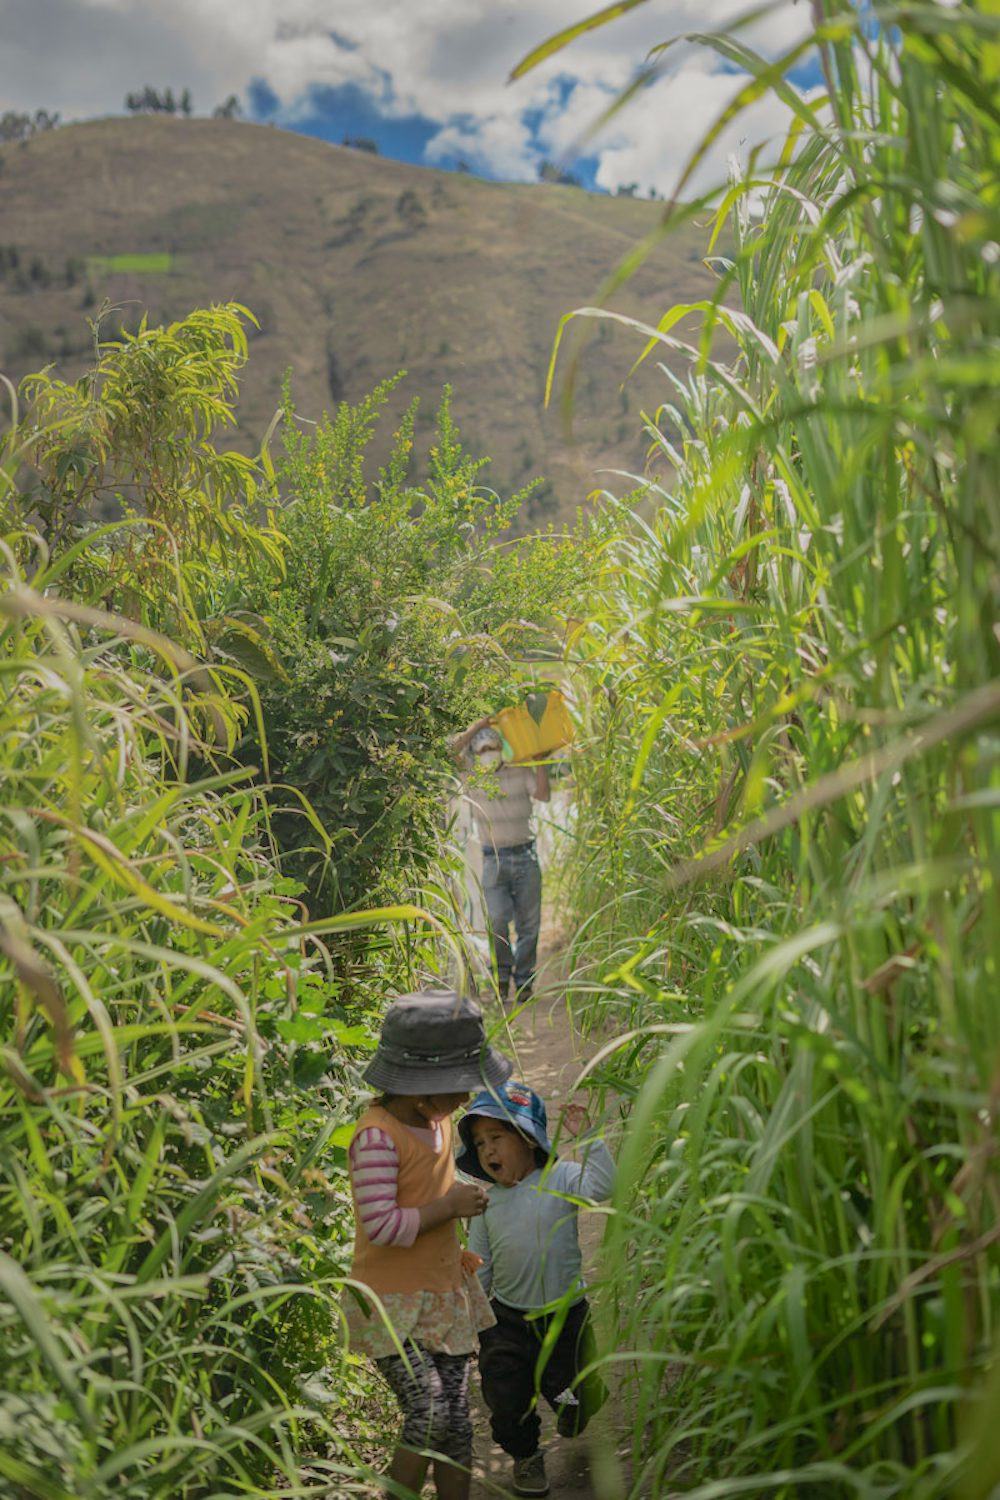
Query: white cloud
{"points": [[447, 60], [567, 121], [306, 59], [497, 144], [653, 143]]}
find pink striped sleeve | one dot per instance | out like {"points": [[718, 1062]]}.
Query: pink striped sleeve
{"points": [[374, 1173]]}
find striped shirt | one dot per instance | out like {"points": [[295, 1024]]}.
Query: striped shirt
{"points": [[374, 1172]]}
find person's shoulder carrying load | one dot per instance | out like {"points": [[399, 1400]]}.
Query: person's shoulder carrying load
{"points": [[535, 729]]}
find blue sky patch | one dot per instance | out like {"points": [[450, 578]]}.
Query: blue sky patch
{"points": [[262, 102], [330, 113], [808, 74], [353, 112]]}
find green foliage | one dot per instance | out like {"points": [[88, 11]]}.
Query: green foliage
{"points": [[179, 1035], [396, 621], [174, 1067], [139, 425], [786, 875], [372, 615], [134, 442]]}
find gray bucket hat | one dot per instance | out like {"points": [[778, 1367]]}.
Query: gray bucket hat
{"points": [[434, 1042]]}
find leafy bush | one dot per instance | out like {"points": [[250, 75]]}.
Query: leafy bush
{"points": [[410, 209], [397, 620], [372, 615]]}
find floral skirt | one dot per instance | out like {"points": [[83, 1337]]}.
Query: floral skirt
{"points": [[445, 1322]]}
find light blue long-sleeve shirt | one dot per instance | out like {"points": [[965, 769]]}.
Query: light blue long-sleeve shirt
{"points": [[528, 1236]]}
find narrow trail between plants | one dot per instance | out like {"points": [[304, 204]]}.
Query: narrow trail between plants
{"points": [[549, 1055]]}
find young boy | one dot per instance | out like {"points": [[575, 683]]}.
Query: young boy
{"points": [[529, 1241]]}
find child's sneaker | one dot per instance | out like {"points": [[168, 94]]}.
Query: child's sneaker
{"points": [[568, 1419], [529, 1475]]}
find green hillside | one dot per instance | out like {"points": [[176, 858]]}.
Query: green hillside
{"points": [[355, 266]]}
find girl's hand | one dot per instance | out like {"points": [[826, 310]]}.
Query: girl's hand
{"points": [[573, 1118], [467, 1200]]}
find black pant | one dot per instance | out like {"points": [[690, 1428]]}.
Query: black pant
{"points": [[508, 1365]]}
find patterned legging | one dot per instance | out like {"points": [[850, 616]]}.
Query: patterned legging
{"points": [[434, 1396]]}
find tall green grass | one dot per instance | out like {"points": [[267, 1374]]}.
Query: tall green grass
{"points": [[179, 1058], [182, 1021], [785, 881], [158, 1229]]}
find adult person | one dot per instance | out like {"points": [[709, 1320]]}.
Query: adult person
{"points": [[501, 803]]}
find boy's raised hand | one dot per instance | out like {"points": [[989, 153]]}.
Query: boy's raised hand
{"points": [[573, 1118]]}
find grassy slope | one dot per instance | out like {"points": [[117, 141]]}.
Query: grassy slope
{"points": [[348, 287]]}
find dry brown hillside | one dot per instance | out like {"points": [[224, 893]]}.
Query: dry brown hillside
{"points": [[355, 266]]}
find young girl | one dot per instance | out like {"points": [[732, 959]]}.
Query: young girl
{"points": [[432, 1053]]}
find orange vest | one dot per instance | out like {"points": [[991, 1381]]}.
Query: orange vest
{"points": [[433, 1263]]}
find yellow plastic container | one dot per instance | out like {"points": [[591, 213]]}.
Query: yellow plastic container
{"points": [[537, 727]]}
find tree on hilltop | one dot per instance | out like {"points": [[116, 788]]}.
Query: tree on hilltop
{"points": [[550, 171], [150, 101], [15, 126]]}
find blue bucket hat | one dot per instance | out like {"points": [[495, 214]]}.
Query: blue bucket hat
{"points": [[516, 1105]]}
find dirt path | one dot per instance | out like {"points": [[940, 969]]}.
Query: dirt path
{"points": [[549, 1056]]}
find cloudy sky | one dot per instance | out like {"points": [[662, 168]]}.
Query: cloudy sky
{"points": [[426, 79]]}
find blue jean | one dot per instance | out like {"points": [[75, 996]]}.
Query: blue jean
{"points": [[512, 889]]}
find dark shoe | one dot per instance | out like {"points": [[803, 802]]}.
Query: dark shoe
{"points": [[529, 1475]]}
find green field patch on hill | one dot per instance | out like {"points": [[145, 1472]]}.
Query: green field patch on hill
{"points": [[155, 262]]}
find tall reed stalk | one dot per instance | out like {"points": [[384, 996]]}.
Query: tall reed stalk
{"points": [[786, 879]]}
